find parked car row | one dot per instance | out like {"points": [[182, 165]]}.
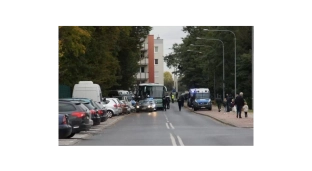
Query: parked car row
{"points": [[80, 114]]}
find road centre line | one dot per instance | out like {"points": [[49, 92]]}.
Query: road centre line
{"points": [[167, 125], [171, 126], [173, 140], [180, 141]]}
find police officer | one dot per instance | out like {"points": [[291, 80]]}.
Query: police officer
{"points": [[180, 100], [164, 102]]}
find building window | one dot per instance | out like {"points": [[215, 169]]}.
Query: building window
{"points": [[156, 49], [142, 69], [142, 54], [156, 74], [156, 61]]}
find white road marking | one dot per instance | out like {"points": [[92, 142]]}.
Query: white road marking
{"points": [[180, 141], [171, 126], [173, 140], [167, 125]]}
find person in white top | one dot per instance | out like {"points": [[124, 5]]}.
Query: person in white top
{"points": [[245, 107]]}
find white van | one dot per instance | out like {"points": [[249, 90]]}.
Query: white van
{"points": [[86, 89]]}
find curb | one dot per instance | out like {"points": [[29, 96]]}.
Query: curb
{"points": [[218, 120], [215, 118]]}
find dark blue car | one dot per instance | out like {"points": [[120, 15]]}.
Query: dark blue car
{"points": [[64, 127]]}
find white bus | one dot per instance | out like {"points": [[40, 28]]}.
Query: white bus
{"points": [[151, 90]]}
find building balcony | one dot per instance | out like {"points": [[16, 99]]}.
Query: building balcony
{"points": [[144, 47], [142, 76], [143, 61]]}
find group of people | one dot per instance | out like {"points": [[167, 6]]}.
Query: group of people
{"points": [[166, 101], [238, 104]]}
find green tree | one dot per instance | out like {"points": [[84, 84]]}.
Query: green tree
{"points": [[128, 48], [205, 68], [168, 80], [106, 55], [73, 43]]}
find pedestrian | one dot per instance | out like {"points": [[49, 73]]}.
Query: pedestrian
{"points": [[219, 101], [229, 100], [164, 102], [172, 97], [180, 99], [168, 102], [224, 105], [245, 107], [233, 106], [239, 101]]}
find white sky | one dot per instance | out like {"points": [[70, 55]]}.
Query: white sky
{"points": [[170, 35]]}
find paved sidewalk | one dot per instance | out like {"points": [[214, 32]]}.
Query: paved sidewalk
{"points": [[228, 118]]}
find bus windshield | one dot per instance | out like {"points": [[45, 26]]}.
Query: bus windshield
{"points": [[151, 91]]}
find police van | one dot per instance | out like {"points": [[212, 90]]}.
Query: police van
{"points": [[200, 98]]}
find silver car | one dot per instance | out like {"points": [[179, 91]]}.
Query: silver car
{"points": [[127, 105], [146, 105], [111, 105]]}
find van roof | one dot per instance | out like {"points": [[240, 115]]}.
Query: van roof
{"points": [[85, 82]]}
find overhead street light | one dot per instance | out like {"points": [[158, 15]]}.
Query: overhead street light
{"points": [[198, 38], [235, 50]]}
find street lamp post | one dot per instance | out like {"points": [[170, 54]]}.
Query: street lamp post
{"points": [[214, 85], [198, 38], [235, 52]]}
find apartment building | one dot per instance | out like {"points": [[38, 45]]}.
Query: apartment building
{"points": [[152, 61]]}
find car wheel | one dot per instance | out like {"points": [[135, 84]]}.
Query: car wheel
{"points": [[71, 135], [110, 113]]}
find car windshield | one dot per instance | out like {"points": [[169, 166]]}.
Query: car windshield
{"points": [[202, 95], [88, 105]]}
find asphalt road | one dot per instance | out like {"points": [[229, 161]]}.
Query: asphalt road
{"points": [[170, 128]]}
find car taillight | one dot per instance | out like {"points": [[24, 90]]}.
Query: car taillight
{"points": [[78, 114], [100, 112], [115, 105], [118, 105], [64, 120], [93, 112]]}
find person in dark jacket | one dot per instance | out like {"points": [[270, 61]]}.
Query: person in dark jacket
{"points": [[239, 102], [164, 102], [219, 102], [168, 102], [180, 99], [229, 101]]}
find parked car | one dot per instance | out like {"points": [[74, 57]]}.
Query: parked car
{"points": [[94, 113], [111, 109], [101, 111], [78, 117], [119, 105], [89, 104], [126, 107], [64, 127], [125, 98], [112, 105], [146, 105]]}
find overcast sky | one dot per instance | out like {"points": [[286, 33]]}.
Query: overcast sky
{"points": [[170, 35]]}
